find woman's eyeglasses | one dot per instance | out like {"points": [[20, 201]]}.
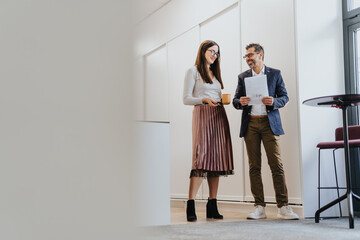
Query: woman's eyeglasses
{"points": [[214, 53]]}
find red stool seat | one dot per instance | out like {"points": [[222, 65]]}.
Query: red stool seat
{"points": [[338, 144]]}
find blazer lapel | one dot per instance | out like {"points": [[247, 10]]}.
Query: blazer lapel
{"points": [[249, 73], [268, 74]]}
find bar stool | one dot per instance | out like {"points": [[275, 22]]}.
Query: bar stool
{"points": [[354, 141]]}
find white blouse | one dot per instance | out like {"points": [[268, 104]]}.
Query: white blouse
{"points": [[195, 89]]}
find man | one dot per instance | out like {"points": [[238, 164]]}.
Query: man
{"points": [[262, 123]]}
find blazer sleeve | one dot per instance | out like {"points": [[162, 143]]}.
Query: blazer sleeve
{"points": [[281, 97], [240, 92]]}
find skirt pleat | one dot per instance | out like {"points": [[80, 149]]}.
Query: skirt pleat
{"points": [[212, 149]]}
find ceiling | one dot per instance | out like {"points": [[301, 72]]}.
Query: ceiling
{"points": [[144, 8]]}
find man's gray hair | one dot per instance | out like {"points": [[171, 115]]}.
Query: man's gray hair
{"points": [[258, 48]]}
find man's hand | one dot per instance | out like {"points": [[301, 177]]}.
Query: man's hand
{"points": [[268, 101], [244, 101]]}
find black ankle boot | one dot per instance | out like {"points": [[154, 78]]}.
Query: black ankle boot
{"points": [[211, 210], [190, 211]]}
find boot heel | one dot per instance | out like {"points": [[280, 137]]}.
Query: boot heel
{"points": [[212, 211]]}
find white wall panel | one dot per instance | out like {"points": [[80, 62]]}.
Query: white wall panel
{"points": [[224, 29], [275, 32], [182, 52], [177, 17], [319, 36], [138, 90], [156, 86]]}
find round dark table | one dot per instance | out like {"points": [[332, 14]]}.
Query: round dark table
{"points": [[342, 102]]}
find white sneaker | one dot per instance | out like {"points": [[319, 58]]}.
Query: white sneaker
{"points": [[259, 213], [285, 212]]}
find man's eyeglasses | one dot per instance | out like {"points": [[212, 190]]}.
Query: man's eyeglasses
{"points": [[249, 55], [214, 53]]}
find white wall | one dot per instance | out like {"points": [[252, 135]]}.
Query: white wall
{"points": [[302, 41], [277, 35], [181, 54], [228, 24], [64, 156], [227, 36], [320, 73], [177, 17], [138, 91], [174, 19], [156, 86]]}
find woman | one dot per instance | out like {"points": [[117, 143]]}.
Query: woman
{"points": [[212, 150]]}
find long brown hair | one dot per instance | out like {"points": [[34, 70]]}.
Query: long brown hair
{"points": [[200, 63]]}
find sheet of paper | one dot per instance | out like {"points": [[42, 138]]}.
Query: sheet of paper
{"points": [[256, 88]]}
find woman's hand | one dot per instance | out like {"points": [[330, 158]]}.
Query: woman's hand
{"points": [[244, 101], [209, 101]]}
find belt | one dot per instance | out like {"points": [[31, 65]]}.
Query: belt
{"points": [[256, 116], [218, 103]]}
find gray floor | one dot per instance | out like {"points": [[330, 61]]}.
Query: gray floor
{"points": [[248, 230]]}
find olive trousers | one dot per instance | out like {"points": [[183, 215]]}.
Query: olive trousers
{"points": [[259, 130]]}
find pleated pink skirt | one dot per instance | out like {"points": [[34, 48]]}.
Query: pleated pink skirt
{"points": [[211, 140]]}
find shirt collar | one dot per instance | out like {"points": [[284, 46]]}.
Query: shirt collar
{"points": [[262, 71]]}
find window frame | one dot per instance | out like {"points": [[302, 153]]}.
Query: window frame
{"points": [[349, 14], [351, 22]]}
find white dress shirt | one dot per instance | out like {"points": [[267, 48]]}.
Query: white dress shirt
{"points": [[259, 109]]}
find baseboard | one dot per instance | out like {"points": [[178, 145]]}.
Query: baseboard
{"points": [[234, 198], [240, 207]]}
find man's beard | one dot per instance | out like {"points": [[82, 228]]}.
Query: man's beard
{"points": [[251, 64]]}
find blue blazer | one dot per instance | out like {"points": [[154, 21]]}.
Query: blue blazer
{"points": [[276, 89]]}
